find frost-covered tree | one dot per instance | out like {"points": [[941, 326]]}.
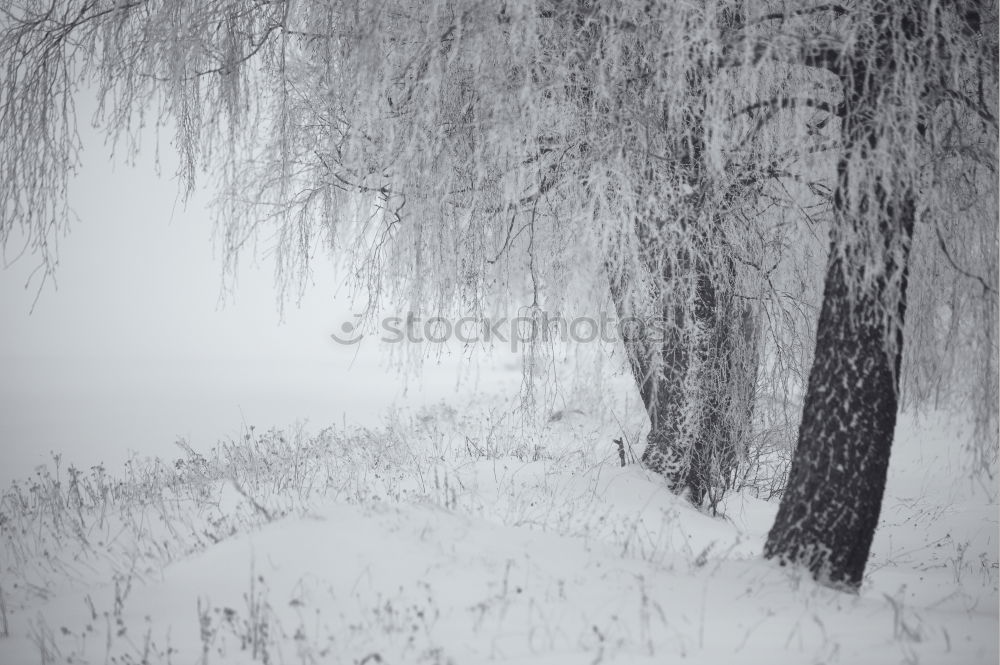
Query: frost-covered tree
{"points": [[918, 117], [469, 157], [464, 156], [690, 344], [697, 378]]}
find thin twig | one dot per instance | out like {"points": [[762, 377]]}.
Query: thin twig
{"points": [[253, 502], [792, 102], [944, 249]]}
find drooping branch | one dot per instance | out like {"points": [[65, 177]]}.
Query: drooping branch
{"points": [[965, 273]]}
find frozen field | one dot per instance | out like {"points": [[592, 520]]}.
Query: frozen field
{"points": [[473, 537]]}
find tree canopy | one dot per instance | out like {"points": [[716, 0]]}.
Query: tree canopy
{"points": [[463, 156]]}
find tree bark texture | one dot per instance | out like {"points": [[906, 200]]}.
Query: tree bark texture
{"points": [[696, 375], [830, 508]]}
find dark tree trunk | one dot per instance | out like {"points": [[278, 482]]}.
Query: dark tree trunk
{"points": [[728, 377], [659, 358], [831, 505], [696, 376]]}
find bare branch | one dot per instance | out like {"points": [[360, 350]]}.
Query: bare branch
{"points": [[944, 249], [836, 10], [793, 102], [977, 108]]}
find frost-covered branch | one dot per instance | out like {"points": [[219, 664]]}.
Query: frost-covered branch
{"points": [[791, 103], [833, 9], [943, 244]]}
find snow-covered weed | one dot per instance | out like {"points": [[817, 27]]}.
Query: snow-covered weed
{"points": [[451, 537]]}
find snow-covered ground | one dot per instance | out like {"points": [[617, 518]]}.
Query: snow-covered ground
{"points": [[473, 536]]}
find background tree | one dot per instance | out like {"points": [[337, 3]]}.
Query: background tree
{"points": [[697, 377], [453, 145]]}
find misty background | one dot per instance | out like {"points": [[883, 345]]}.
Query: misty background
{"points": [[131, 348]]}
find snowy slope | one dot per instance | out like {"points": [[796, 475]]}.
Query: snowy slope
{"points": [[445, 539]]}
